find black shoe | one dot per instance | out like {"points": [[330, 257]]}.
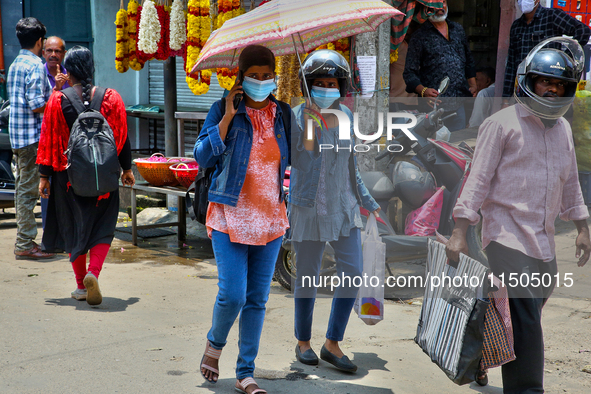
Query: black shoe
{"points": [[481, 378], [343, 363], [309, 357]]}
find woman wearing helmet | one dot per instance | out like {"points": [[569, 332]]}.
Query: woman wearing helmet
{"points": [[326, 191]]}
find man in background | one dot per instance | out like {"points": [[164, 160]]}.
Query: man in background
{"points": [[28, 92], [485, 83], [439, 48], [535, 25], [54, 52]]}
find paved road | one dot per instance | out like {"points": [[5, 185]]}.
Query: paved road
{"points": [[148, 334]]}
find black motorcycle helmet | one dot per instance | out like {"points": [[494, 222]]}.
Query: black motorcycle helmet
{"points": [[545, 60], [325, 63], [413, 186]]}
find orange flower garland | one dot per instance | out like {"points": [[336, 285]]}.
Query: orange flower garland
{"points": [[132, 18], [121, 48], [198, 31], [227, 9]]}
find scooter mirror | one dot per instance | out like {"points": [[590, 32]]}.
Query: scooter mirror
{"points": [[443, 85]]}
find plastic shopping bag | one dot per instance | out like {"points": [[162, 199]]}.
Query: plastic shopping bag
{"points": [[424, 221], [369, 304]]}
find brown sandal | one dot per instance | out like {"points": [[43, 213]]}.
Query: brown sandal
{"points": [[241, 386], [214, 354]]}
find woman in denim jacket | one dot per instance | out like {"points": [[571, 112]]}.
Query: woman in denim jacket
{"points": [[326, 191], [249, 147]]}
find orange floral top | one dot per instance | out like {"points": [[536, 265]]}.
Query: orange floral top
{"points": [[258, 218]]}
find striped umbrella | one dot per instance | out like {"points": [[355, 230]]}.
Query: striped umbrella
{"points": [[418, 10], [284, 25]]}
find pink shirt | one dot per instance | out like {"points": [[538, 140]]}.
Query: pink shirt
{"points": [[523, 175]]}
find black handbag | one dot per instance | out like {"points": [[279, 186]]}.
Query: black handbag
{"points": [[197, 207]]}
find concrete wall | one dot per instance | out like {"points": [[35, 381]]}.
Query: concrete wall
{"points": [[131, 85]]}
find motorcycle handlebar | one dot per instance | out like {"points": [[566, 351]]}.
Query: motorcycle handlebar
{"points": [[381, 155]]}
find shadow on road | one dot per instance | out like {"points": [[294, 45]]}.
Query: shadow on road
{"points": [[109, 304]]}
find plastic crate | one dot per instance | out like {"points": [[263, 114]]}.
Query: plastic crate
{"points": [[585, 181]]}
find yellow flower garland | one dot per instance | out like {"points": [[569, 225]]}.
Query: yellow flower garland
{"points": [[394, 56], [121, 47], [198, 31], [228, 9], [132, 8]]}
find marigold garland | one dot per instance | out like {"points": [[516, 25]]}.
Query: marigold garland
{"points": [[227, 9], [198, 31], [342, 46], [132, 18], [178, 26], [394, 56], [288, 86], [121, 47], [149, 31]]}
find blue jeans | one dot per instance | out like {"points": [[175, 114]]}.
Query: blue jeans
{"points": [[349, 262], [244, 282]]}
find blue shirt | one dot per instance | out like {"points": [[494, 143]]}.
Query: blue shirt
{"points": [[28, 89], [51, 78]]}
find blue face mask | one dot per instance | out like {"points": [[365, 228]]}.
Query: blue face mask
{"points": [[324, 97], [258, 90]]}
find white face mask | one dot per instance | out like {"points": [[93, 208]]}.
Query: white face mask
{"points": [[527, 6]]}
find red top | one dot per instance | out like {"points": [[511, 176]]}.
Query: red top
{"points": [[259, 217], [55, 133]]}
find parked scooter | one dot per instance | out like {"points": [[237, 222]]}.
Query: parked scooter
{"points": [[449, 165]]}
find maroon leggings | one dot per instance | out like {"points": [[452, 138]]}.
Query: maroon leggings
{"points": [[98, 254]]}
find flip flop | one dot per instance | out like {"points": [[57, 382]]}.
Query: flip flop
{"points": [[211, 353], [244, 383]]}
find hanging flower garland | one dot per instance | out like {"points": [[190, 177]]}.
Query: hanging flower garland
{"points": [[178, 28], [394, 56], [121, 46], [163, 51], [132, 18], [198, 31], [149, 31], [288, 86], [227, 9]]}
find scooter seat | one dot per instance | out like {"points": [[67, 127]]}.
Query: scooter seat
{"points": [[378, 184]]}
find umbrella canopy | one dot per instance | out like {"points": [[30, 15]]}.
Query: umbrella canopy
{"points": [[283, 25]]}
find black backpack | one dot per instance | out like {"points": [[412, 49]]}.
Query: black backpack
{"points": [[93, 165], [197, 207]]}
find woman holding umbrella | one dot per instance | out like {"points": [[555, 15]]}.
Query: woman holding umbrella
{"points": [[249, 147], [325, 195]]}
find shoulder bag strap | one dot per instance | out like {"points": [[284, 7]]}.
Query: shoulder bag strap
{"points": [[97, 99], [75, 100]]}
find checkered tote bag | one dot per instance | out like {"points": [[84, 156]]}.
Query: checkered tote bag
{"points": [[497, 348]]}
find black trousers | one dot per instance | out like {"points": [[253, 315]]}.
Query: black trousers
{"points": [[525, 374]]}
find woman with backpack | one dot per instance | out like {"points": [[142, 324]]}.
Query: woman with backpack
{"points": [[247, 142], [76, 223], [325, 194]]}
